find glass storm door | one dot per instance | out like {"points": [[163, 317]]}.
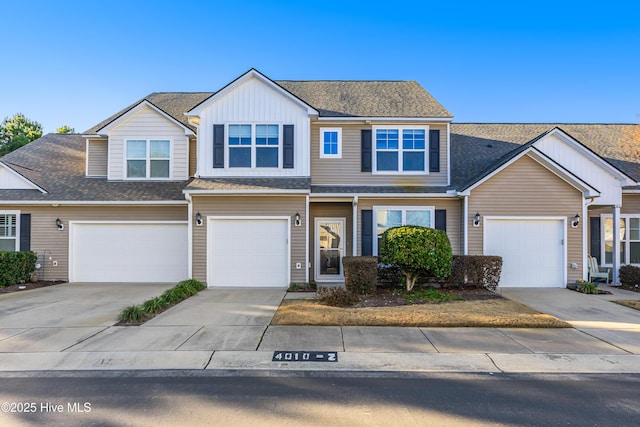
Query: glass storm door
{"points": [[329, 248]]}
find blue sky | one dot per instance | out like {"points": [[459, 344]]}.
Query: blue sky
{"points": [[78, 62]]}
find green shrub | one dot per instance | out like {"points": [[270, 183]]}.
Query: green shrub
{"points": [[390, 276], [16, 267], [304, 286], [589, 288], [154, 305], [360, 274], [336, 296], [134, 313], [417, 251], [476, 271], [629, 275], [426, 295]]}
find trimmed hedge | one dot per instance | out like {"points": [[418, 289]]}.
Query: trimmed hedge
{"points": [[16, 267], [476, 271], [360, 274], [336, 296], [417, 251], [629, 275]]}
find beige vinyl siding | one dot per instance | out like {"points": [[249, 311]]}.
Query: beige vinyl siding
{"points": [[193, 156], [45, 236], [97, 154], [452, 206], [148, 124], [346, 170], [329, 210], [255, 206], [527, 189]]}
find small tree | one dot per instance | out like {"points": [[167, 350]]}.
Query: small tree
{"points": [[417, 251], [65, 129], [17, 131]]}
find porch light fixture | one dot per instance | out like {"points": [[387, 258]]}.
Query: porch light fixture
{"points": [[476, 220], [198, 219], [59, 224], [296, 220], [576, 221]]}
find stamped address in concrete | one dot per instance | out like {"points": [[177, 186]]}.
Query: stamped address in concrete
{"points": [[305, 356]]}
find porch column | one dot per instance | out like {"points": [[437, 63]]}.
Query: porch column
{"points": [[616, 245], [354, 226]]}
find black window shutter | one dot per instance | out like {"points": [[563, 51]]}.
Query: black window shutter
{"points": [[25, 232], [365, 142], [218, 146], [287, 147], [434, 151], [441, 219], [594, 246], [367, 232]]}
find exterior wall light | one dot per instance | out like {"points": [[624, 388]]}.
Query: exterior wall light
{"points": [[59, 224], [199, 219], [476, 220], [296, 220], [576, 221]]}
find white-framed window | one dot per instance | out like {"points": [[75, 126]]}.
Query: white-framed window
{"points": [[9, 231], [330, 143], [148, 158], [400, 150], [254, 145], [629, 239], [386, 217]]}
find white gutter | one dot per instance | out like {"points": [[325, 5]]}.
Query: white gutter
{"points": [[92, 202], [384, 119], [244, 192], [387, 195], [354, 226]]}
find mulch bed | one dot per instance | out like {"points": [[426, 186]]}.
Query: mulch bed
{"points": [[577, 289], [385, 297], [29, 286], [633, 288]]}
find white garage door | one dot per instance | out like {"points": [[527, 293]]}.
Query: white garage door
{"points": [[532, 251], [248, 252], [128, 252]]}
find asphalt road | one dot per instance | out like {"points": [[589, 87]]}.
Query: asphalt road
{"points": [[173, 398]]}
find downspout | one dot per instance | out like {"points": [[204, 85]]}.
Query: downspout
{"points": [[306, 251], [616, 245], [189, 235], [354, 226], [465, 225]]}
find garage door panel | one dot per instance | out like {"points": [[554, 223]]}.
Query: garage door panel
{"points": [[532, 250], [248, 252], [129, 252]]}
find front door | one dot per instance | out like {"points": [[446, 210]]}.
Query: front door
{"points": [[329, 249]]}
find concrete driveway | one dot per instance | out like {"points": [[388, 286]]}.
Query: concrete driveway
{"points": [[594, 315], [58, 317]]}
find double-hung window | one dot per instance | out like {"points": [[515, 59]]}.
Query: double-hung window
{"points": [[148, 158], [629, 239], [400, 150], [8, 231], [396, 216], [254, 146]]}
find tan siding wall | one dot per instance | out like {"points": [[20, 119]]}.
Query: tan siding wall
{"points": [[452, 206], [97, 157], [329, 210], [147, 124], [528, 189], [346, 170], [193, 156], [630, 205], [46, 237], [250, 206]]}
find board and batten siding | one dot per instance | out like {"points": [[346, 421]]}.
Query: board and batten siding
{"points": [[527, 189], [452, 206], [45, 236], [347, 170], [253, 101], [250, 206], [148, 124], [329, 210], [97, 157]]}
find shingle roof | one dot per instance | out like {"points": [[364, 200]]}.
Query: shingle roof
{"points": [[174, 104], [339, 98], [478, 147], [227, 184], [57, 164]]}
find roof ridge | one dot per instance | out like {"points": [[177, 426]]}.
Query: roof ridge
{"points": [[346, 81], [545, 123]]}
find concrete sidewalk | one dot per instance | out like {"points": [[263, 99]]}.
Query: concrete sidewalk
{"points": [[224, 329]]}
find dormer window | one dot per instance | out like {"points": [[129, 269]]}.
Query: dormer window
{"points": [[148, 158]]}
